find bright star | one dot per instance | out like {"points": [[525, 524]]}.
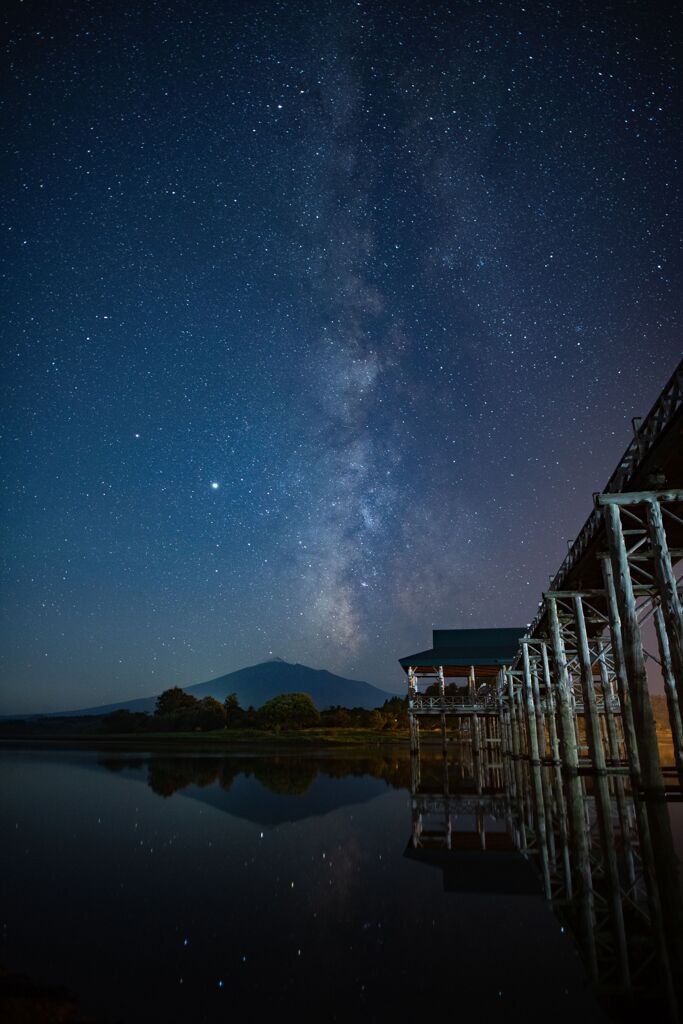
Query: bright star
{"points": [[214, 485]]}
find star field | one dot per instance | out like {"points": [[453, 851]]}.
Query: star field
{"points": [[323, 321]]}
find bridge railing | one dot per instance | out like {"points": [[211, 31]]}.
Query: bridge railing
{"points": [[665, 408]]}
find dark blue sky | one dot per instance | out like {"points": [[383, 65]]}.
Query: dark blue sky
{"points": [[324, 320]]}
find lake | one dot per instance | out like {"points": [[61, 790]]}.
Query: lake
{"points": [[199, 888]]}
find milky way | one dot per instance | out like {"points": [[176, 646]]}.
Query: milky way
{"points": [[324, 321]]}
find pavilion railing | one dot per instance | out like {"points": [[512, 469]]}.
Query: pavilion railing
{"points": [[461, 702]]}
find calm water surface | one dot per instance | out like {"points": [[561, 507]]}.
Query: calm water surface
{"points": [[193, 888]]}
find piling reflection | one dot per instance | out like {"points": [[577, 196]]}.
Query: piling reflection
{"points": [[587, 837]]}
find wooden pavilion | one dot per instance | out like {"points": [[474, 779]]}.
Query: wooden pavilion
{"points": [[470, 659]]}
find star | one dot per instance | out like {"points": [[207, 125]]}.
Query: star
{"points": [[214, 485]]}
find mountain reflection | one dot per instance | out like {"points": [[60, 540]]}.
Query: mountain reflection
{"points": [[489, 829], [246, 785]]}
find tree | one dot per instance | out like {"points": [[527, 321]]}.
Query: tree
{"points": [[396, 711], [234, 714], [210, 714], [337, 717], [174, 702], [289, 711], [125, 721], [376, 720]]}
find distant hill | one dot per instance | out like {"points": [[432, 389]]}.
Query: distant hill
{"points": [[258, 683]]}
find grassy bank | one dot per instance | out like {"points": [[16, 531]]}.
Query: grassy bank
{"points": [[219, 739]]}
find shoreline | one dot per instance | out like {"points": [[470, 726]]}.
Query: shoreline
{"points": [[247, 741], [242, 740]]}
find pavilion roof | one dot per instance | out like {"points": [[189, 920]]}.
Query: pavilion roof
{"points": [[464, 647]]}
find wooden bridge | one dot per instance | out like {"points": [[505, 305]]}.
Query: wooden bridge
{"points": [[544, 707]]}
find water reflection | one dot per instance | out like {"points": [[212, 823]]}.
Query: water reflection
{"points": [[291, 787], [590, 841], [364, 886]]}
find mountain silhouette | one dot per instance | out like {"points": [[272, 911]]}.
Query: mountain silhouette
{"points": [[256, 684]]}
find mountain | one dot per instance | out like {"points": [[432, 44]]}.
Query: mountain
{"points": [[258, 683]]}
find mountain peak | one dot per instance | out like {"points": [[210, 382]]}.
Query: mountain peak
{"points": [[256, 684]]}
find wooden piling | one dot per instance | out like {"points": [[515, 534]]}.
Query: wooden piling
{"points": [[577, 828], [602, 796], [627, 719], [670, 689], [535, 769], [670, 604], [665, 862]]}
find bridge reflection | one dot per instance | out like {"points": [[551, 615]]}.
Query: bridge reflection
{"points": [[481, 826]]}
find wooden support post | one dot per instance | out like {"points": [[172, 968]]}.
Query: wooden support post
{"points": [[602, 796], [550, 698], [416, 817], [557, 786], [517, 749], [665, 861], [516, 754], [481, 827], [668, 596], [668, 953], [631, 741], [535, 767], [670, 689], [530, 707], [577, 827], [608, 696], [545, 777], [538, 710], [505, 731], [590, 707], [476, 751], [627, 719], [618, 781], [568, 747], [514, 729], [634, 662], [414, 733], [608, 702]]}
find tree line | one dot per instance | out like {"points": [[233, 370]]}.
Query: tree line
{"points": [[178, 711]]}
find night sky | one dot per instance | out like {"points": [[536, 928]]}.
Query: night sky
{"points": [[322, 322]]}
